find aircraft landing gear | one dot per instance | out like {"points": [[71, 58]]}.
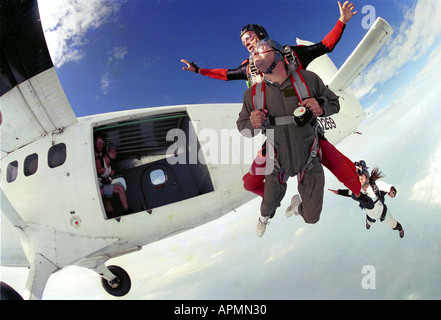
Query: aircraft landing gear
{"points": [[8, 293], [120, 284]]}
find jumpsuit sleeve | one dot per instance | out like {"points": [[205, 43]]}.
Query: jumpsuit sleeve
{"points": [[243, 122], [239, 73], [333, 37], [220, 74], [306, 54], [364, 201], [344, 192], [383, 186]]}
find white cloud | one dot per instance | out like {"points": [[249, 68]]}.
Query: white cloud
{"points": [[118, 53], [414, 37], [428, 189], [105, 82], [66, 22]]}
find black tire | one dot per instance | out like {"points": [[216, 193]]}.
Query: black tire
{"points": [[121, 285], [8, 293]]}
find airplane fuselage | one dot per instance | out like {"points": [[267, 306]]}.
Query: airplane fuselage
{"points": [[63, 200]]}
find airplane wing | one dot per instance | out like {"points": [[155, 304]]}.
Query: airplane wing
{"points": [[363, 54], [32, 101], [367, 49]]}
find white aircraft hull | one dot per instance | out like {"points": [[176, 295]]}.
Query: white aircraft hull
{"points": [[76, 210]]}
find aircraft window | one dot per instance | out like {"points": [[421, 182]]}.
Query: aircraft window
{"points": [[30, 165], [56, 155], [12, 171], [158, 177]]}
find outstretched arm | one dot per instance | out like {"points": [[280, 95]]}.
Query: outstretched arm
{"points": [[365, 201], [306, 54], [342, 192], [333, 37], [239, 73]]}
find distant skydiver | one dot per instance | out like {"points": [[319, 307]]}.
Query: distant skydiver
{"points": [[334, 160], [375, 190]]}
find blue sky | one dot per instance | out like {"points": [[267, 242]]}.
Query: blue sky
{"points": [[124, 54], [224, 259]]}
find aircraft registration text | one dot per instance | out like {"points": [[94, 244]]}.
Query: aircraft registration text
{"points": [[327, 123]]}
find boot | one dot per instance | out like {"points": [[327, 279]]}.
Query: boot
{"points": [[261, 226], [294, 206]]}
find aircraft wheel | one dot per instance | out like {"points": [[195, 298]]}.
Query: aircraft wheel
{"points": [[8, 293], [121, 285]]}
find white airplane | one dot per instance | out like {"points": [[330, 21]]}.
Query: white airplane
{"points": [[52, 211]]}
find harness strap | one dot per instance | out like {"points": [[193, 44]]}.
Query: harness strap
{"points": [[378, 193], [258, 96], [281, 121], [299, 84], [383, 214], [313, 153], [253, 74], [296, 77], [380, 197], [258, 99], [370, 219]]}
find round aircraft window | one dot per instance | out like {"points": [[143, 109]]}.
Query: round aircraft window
{"points": [[158, 177]]}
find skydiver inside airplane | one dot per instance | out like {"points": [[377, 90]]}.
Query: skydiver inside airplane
{"points": [[340, 165], [44, 146], [110, 185]]}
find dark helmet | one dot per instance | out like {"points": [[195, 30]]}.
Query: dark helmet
{"points": [[110, 146], [257, 29], [362, 168]]}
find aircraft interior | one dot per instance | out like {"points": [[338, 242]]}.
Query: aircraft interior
{"points": [[142, 159]]}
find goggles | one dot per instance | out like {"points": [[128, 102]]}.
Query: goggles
{"points": [[247, 37], [262, 48]]}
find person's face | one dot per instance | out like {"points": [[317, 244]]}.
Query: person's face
{"points": [[363, 179], [263, 57], [112, 153], [99, 144], [249, 40]]}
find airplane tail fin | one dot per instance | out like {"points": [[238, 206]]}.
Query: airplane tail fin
{"points": [[363, 54]]}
